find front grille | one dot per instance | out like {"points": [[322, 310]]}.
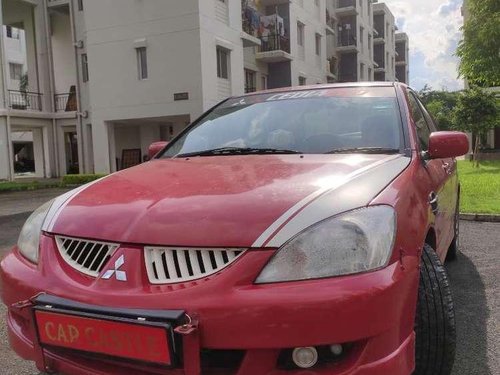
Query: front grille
{"points": [[88, 257], [168, 265]]}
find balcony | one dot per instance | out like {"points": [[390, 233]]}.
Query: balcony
{"points": [[331, 66], [57, 3], [274, 48], [330, 22], [346, 8], [347, 43], [25, 100], [250, 26], [65, 102]]}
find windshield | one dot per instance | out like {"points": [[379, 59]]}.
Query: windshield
{"points": [[309, 121]]}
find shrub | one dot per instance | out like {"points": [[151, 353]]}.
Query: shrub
{"points": [[80, 179]]}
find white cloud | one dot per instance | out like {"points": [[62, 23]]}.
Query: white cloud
{"points": [[433, 27]]}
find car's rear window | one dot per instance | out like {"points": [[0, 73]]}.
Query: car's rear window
{"points": [[309, 121]]}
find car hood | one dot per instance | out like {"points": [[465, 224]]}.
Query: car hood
{"points": [[226, 201]]}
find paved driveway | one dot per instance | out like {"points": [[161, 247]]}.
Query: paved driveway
{"points": [[475, 278]]}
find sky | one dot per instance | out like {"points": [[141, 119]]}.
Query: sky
{"points": [[433, 27]]}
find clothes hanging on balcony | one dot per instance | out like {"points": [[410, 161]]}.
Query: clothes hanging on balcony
{"points": [[273, 25]]}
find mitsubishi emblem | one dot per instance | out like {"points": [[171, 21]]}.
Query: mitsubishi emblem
{"points": [[120, 275]]}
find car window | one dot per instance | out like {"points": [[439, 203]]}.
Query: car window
{"points": [[428, 117], [423, 131], [308, 121]]}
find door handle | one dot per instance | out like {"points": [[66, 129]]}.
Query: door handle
{"points": [[434, 202], [448, 168]]}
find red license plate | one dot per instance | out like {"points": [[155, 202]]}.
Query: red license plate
{"points": [[130, 340]]}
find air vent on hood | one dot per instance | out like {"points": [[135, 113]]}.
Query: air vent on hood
{"points": [[88, 257], [168, 265]]}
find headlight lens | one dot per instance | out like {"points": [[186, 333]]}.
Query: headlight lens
{"points": [[353, 242], [29, 238]]}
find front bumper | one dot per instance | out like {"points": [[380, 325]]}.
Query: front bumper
{"points": [[374, 312]]}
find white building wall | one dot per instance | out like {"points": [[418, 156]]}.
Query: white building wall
{"points": [[307, 63], [62, 52], [15, 53], [172, 37], [390, 40], [217, 30], [365, 29], [22, 13]]}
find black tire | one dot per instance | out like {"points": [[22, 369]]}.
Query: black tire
{"points": [[435, 319], [455, 244]]}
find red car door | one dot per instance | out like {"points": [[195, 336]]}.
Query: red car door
{"points": [[437, 176], [448, 197]]}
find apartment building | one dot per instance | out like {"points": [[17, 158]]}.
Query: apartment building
{"points": [[402, 58], [101, 80], [355, 40], [384, 42]]}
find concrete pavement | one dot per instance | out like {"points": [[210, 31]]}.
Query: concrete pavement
{"points": [[25, 201]]}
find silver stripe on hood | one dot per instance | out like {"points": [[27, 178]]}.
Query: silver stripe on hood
{"points": [[60, 202], [355, 190]]}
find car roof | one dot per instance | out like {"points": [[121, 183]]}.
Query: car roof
{"points": [[326, 86]]}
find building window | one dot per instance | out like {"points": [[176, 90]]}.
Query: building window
{"points": [[369, 74], [362, 71], [16, 71], [250, 81], [80, 5], [318, 44], [12, 32], [222, 63], [85, 68], [361, 36], [300, 34], [302, 81], [142, 62]]}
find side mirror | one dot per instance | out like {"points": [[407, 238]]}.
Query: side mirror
{"points": [[448, 144], [155, 148]]}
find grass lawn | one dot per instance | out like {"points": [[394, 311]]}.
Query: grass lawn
{"points": [[480, 187], [31, 185]]}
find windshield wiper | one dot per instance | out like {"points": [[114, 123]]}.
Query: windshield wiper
{"points": [[364, 150], [237, 151]]}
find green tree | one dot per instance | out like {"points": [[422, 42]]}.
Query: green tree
{"points": [[440, 104], [476, 112], [479, 51]]}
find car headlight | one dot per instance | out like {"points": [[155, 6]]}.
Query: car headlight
{"points": [[353, 242], [29, 238]]}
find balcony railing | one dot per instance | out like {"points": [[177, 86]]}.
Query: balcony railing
{"points": [[332, 65], [274, 43], [65, 102], [346, 40], [25, 100], [346, 3]]}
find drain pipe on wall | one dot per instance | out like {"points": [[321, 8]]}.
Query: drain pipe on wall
{"points": [[81, 153], [6, 101], [51, 86]]}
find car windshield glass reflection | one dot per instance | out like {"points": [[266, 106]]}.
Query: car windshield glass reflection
{"points": [[310, 122]]}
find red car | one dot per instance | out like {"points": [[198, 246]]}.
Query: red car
{"points": [[295, 231]]}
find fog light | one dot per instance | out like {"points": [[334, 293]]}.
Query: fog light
{"points": [[305, 357], [336, 349]]}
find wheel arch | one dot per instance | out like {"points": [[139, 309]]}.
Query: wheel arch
{"points": [[430, 238]]}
